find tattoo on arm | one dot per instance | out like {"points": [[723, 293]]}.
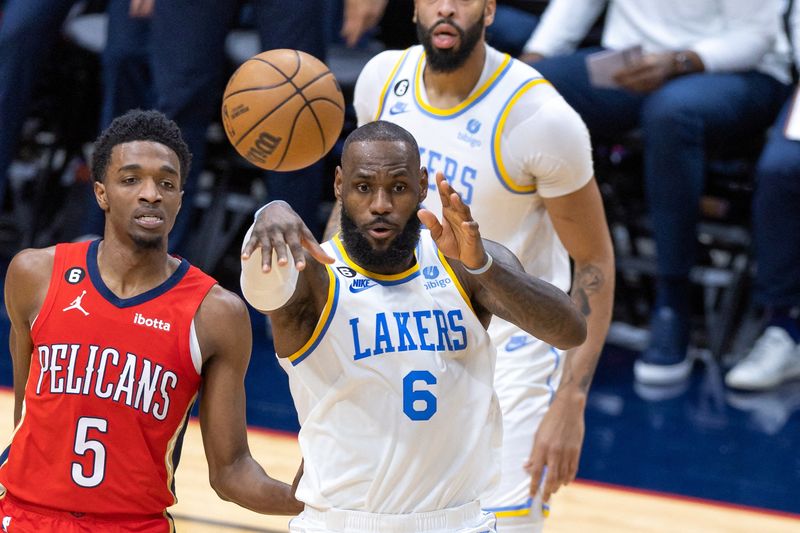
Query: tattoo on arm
{"points": [[588, 280]]}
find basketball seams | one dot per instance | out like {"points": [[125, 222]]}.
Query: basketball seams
{"points": [[322, 95]]}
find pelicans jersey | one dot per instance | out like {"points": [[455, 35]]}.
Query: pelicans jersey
{"points": [[512, 142], [394, 392], [109, 391]]}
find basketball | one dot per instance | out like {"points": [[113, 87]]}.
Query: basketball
{"points": [[283, 110]]}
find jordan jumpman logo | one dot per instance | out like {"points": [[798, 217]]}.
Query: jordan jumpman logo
{"points": [[76, 304]]}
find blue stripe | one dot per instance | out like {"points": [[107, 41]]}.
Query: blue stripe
{"points": [[389, 283], [4, 455], [155, 292], [553, 373], [494, 134], [528, 503], [327, 322], [471, 104], [390, 87]]}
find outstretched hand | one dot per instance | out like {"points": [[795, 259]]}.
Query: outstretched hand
{"points": [[457, 235], [278, 226]]}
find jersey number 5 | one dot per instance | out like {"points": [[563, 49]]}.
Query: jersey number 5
{"points": [[83, 444], [418, 404]]}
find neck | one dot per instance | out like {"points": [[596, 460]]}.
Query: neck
{"points": [[448, 89], [128, 271]]}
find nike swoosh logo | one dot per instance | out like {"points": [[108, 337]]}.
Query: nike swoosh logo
{"points": [[362, 288]]}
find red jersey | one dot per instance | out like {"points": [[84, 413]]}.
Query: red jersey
{"points": [[108, 396]]}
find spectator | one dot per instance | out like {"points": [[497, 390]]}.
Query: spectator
{"points": [[775, 357], [711, 71]]}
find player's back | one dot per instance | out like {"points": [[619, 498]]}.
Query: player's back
{"points": [[110, 387], [394, 392]]}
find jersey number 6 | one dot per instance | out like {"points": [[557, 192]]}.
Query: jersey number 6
{"points": [[83, 445], [418, 404]]}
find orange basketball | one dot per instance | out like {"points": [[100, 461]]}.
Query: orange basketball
{"points": [[283, 109]]}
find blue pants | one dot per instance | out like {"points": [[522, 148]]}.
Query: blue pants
{"points": [[776, 219], [188, 38], [28, 30], [679, 122]]}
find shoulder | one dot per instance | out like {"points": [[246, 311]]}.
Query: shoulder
{"points": [[27, 282], [33, 265], [221, 322]]}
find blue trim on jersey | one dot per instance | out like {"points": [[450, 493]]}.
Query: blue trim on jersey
{"points": [[328, 321], [397, 281], [550, 377], [4, 455], [467, 108], [390, 85], [155, 292], [497, 173], [527, 505], [176, 451]]}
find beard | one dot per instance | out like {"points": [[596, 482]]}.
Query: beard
{"points": [[361, 251], [147, 243], [451, 59]]}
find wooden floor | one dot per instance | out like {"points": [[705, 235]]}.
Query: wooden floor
{"points": [[581, 507]]}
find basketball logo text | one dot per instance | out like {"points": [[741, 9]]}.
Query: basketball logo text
{"points": [[264, 147]]}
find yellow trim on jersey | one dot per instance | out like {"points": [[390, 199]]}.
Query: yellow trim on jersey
{"points": [[323, 319], [498, 134], [517, 512], [379, 277], [456, 282], [171, 450], [466, 103], [382, 97]]}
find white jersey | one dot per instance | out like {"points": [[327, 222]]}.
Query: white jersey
{"points": [[512, 142], [394, 391]]}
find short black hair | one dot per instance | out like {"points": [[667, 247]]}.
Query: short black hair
{"points": [[381, 130], [140, 125]]}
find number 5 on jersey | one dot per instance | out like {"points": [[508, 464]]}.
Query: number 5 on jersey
{"points": [[84, 444]]}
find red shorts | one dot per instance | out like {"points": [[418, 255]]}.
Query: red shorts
{"points": [[19, 517]]}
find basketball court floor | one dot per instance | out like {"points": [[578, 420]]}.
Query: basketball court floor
{"points": [[694, 458]]}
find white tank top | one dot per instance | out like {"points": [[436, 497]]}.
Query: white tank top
{"points": [[394, 391], [513, 141]]}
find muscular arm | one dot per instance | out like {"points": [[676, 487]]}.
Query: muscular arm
{"points": [[27, 280], [541, 309], [223, 329], [580, 222]]}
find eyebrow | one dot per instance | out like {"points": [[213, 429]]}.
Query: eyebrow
{"points": [[134, 166]]}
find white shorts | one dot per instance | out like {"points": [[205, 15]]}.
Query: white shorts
{"points": [[527, 375], [464, 519]]}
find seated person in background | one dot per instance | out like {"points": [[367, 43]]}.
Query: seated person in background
{"points": [[712, 71], [383, 335], [775, 357]]}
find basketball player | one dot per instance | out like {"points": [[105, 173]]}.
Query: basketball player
{"points": [[111, 341], [383, 337], [521, 159]]}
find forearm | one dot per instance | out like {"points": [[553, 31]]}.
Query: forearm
{"points": [[534, 305], [247, 484], [593, 293]]}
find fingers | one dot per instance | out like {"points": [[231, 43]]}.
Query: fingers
{"points": [[360, 16], [317, 252], [536, 468], [431, 222], [141, 8]]}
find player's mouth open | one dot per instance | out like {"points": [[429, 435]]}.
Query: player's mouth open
{"points": [[149, 221], [444, 36]]}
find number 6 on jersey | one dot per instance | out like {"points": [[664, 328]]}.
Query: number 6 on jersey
{"points": [[413, 398]]}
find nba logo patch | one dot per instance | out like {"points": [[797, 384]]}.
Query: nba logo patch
{"points": [[430, 272]]}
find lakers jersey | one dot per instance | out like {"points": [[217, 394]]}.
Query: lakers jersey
{"points": [[109, 391], [510, 143], [394, 391]]}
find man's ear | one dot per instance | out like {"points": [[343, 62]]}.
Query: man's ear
{"points": [[100, 195], [337, 183], [423, 184], [488, 13]]}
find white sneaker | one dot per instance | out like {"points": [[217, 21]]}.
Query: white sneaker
{"points": [[775, 358]]}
